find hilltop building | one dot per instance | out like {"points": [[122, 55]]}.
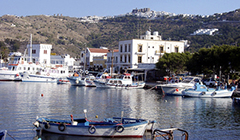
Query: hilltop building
{"points": [[205, 31], [143, 10]]}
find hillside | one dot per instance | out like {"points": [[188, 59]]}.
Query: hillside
{"points": [[70, 35]]}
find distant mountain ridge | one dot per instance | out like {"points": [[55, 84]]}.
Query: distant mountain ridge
{"points": [[144, 12], [71, 35]]}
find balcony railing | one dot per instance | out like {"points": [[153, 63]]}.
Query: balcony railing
{"points": [[159, 52], [140, 53]]}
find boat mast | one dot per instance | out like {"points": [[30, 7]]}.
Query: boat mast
{"points": [[84, 67], [30, 51]]}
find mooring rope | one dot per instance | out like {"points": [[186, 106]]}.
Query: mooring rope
{"points": [[10, 136]]}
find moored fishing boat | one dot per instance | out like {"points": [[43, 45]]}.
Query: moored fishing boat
{"points": [[102, 77], [202, 91], [17, 64], [110, 127], [173, 88], [125, 81], [79, 80]]}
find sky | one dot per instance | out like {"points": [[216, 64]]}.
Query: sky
{"points": [[82, 8]]}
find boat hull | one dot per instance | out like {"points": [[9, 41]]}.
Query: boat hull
{"points": [[10, 77], [76, 81], [103, 129], [132, 86], [40, 79], [208, 94], [176, 91]]}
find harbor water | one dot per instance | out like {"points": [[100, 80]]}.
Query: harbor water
{"points": [[203, 118]]}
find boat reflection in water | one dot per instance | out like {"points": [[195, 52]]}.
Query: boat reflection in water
{"points": [[50, 136]]}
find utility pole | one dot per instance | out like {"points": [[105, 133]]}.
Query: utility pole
{"points": [[112, 63]]}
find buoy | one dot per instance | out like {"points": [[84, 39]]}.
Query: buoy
{"points": [[96, 116], [177, 90], [42, 95]]}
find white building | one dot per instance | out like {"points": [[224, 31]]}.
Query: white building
{"points": [[144, 51], [205, 31], [64, 60], [92, 52], [40, 53]]}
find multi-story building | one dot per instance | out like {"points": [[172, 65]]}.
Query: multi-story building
{"points": [[39, 53], [62, 60], [136, 53], [88, 55]]}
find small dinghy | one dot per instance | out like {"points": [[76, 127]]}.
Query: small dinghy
{"points": [[62, 81], [110, 127]]}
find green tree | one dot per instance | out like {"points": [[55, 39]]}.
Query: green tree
{"points": [[174, 62]]}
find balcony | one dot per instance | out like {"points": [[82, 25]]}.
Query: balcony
{"points": [[159, 52], [140, 53]]}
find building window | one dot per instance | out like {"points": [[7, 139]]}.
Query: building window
{"points": [[125, 47], [139, 48], [129, 59], [52, 62], [45, 61], [121, 58], [120, 48], [139, 59], [161, 49], [129, 47], [125, 57], [33, 51], [176, 49], [45, 51]]}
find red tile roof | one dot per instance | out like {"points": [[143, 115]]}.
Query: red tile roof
{"points": [[97, 50]]}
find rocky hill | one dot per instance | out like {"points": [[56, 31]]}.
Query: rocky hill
{"points": [[70, 35]]}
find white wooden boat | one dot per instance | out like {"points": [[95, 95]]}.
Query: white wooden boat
{"points": [[110, 127], [125, 81], [3, 134], [41, 79], [78, 80], [102, 77], [202, 91], [177, 88]]}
